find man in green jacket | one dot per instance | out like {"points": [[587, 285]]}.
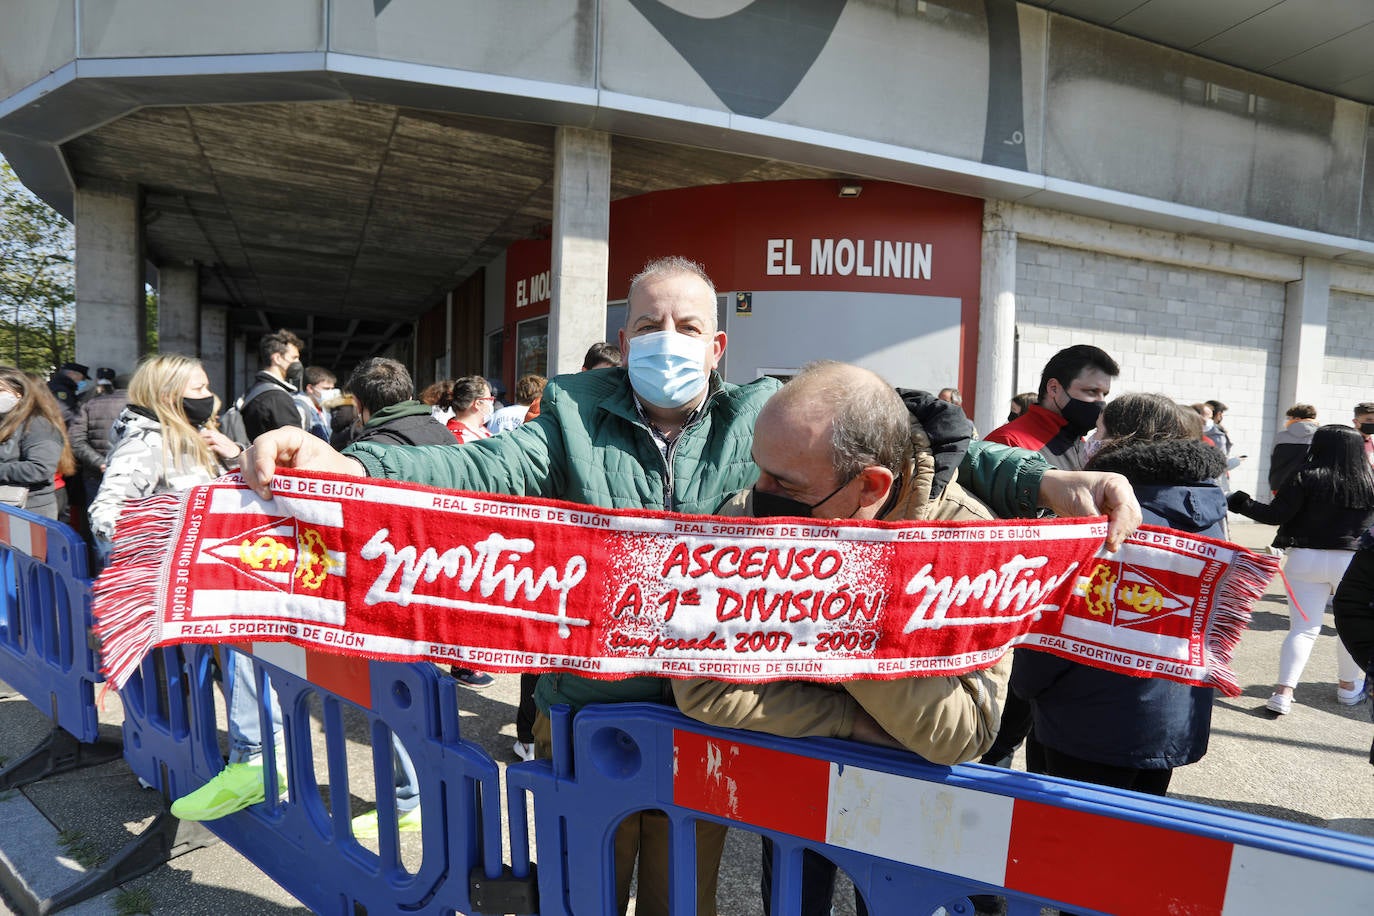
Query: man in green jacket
{"points": [[664, 432]]}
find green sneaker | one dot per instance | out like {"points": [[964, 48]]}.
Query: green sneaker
{"points": [[236, 787], [365, 825]]}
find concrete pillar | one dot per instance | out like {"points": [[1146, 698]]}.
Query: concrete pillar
{"points": [[581, 232], [996, 318], [1307, 302], [214, 350], [178, 309], [240, 373], [109, 277]]}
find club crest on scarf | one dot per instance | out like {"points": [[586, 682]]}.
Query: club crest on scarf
{"points": [[282, 554]]}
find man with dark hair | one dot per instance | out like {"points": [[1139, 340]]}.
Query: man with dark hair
{"points": [[67, 385], [269, 403], [386, 404], [1073, 389], [1290, 445], [317, 384], [1364, 422], [601, 355], [1212, 428]]}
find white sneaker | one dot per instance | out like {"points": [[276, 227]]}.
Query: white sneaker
{"points": [[1279, 704], [523, 749], [1352, 697]]}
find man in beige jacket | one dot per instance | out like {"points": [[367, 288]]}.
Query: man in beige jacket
{"points": [[839, 442]]}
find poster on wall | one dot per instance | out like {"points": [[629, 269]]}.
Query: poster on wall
{"points": [[532, 347], [495, 363]]}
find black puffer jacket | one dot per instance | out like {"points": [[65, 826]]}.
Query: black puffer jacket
{"points": [[90, 431], [1290, 451], [1116, 719]]}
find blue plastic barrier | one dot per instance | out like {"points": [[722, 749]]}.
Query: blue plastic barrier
{"points": [[302, 840], [45, 619], [913, 837], [45, 649]]}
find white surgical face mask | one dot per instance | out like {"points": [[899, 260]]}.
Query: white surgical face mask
{"points": [[325, 395], [668, 369], [8, 401]]}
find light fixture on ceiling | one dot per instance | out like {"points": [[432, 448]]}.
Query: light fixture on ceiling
{"points": [[850, 189]]}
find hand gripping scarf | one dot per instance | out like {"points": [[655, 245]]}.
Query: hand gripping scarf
{"points": [[403, 572]]}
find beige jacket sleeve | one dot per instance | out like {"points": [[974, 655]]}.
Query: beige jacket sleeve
{"points": [[947, 720], [792, 709]]}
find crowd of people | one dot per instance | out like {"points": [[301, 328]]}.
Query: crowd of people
{"points": [[650, 423]]}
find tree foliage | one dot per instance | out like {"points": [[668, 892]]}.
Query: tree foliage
{"points": [[37, 279]]}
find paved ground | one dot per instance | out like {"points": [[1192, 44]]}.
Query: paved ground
{"points": [[1310, 766]]}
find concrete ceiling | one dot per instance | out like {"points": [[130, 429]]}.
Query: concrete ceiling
{"points": [[1322, 44], [345, 221]]}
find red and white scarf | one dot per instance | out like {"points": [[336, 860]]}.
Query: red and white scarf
{"points": [[404, 572]]}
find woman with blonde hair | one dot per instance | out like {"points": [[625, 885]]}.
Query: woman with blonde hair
{"points": [[164, 440], [33, 442]]}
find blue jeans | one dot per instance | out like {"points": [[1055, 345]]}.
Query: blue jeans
{"points": [[241, 703], [245, 728]]}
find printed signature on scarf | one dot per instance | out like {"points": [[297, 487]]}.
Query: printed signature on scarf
{"points": [[484, 567], [1003, 588]]}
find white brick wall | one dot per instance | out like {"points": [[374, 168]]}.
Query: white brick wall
{"points": [[1187, 333], [1348, 371]]}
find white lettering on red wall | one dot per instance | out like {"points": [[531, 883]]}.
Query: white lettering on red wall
{"points": [[852, 257], [533, 289]]}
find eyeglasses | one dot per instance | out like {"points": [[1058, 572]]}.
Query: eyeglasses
{"points": [[487, 398]]}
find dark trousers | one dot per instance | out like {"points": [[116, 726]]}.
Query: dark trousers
{"points": [[1015, 728], [817, 880], [1151, 782], [525, 712]]}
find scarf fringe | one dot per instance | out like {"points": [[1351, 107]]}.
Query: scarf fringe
{"points": [[126, 594], [1245, 583]]}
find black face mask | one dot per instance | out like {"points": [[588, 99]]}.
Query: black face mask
{"points": [[1012, 416], [295, 372], [1367, 429], [198, 410], [771, 505], [1080, 416]]}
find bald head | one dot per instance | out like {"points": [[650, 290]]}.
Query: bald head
{"points": [[832, 440], [867, 422]]}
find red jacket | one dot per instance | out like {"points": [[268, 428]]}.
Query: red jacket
{"points": [[1041, 430]]}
